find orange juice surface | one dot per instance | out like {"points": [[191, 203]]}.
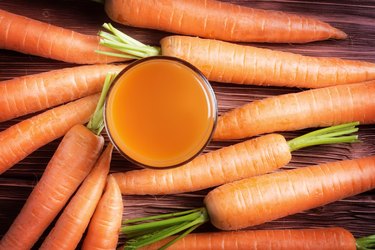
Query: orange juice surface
{"points": [[160, 113]]}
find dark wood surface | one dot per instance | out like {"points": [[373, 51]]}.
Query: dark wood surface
{"points": [[355, 17]]}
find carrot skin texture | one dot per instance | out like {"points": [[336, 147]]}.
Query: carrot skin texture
{"points": [[228, 164], [232, 63], [105, 224], [63, 174], [23, 138], [257, 200], [312, 108], [219, 20], [33, 37], [72, 223], [301, 239], [28, 94]]}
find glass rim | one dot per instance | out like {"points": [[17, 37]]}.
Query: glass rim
{"points": [[206, 87]]}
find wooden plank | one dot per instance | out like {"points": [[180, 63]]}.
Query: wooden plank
{"points": [[355, 17]]}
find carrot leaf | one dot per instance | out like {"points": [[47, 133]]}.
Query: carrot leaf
{"points": [[96, 123], [126, 46], [155, 228], [162, 216], [334, 134], [366, 243]]}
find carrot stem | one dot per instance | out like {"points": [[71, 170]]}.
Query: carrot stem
{"points": [[132, 233], [96, 123], [171, 224], [163, 216], [155, 236], [126, 45], [122, 36], [162, 223], [334, 134], [366, 243]]}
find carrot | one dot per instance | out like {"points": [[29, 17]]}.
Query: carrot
{"points": [[28, 94], [311, 108], [33, 37], [72, 223], [242, 160], [231, 63], [63, 174], [19, 140], [264, 198], [105, 224], [260, 199], [219, 20], [68, 167], [302, 239]]}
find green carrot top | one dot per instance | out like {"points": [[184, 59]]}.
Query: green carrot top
{"points": [[126, 46], [331, 135], [96, 123]]}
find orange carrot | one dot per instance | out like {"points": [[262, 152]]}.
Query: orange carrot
{"points": [[242, 160], [63, 174], [288, 239], [37, 38], [260, 199], [219, 20], [21, 139], [28, 94], [231, 63], [105, 224], [312, 108], [227, 164], [72, 223]]}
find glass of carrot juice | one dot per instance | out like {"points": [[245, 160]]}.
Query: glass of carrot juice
{"points": [[160, 112]]}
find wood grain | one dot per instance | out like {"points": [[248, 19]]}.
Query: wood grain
{"points": [[355, 17]]}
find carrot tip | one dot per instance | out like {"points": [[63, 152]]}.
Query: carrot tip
{"points": [[339, 34]]}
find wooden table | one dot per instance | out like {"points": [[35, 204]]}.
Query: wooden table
{"points": [[355, 17]]}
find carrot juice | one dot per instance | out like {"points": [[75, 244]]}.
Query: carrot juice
{"points": [[160, 112]]}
